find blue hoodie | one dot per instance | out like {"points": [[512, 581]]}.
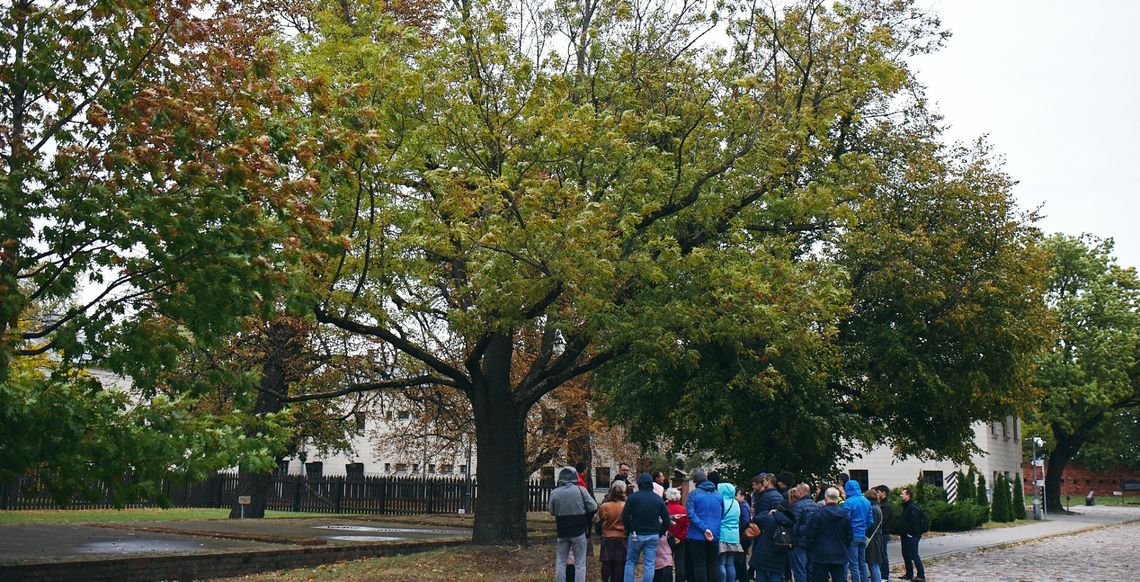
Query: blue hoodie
{"points": [[705, 509], [730, 521], [858, 509]]}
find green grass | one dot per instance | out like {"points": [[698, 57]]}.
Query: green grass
{"points": [[69, 516], [999, 525]]}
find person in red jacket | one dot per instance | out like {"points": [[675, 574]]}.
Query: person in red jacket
{"points": [[679, 524]]}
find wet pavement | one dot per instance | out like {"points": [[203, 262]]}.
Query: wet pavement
{"points": [[23, 544]]}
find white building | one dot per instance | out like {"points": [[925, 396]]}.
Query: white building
{"points": [[999, 441]]}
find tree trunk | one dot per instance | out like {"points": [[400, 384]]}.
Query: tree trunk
{"points": [[1058, 459], [500, 439], [282, 345]]}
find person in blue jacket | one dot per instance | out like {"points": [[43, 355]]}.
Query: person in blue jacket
{"points": [[702, 541], [827, 537], [862, 520], [729, 533], [803, 511]]}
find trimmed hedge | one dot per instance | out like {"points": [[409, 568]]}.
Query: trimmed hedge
{"points": [[963, 516]]}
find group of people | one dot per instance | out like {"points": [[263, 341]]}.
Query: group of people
{"points": [[717, 532]]}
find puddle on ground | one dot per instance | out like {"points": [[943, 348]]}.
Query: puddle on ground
{"points": [[138, 546], [403, 530], [366, 538]]}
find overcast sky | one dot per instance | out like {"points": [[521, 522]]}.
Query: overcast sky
{"points": [[1056, 86]]}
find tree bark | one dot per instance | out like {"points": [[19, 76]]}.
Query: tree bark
{"points": [[500, 438], [1058, 459], [283, 344]]}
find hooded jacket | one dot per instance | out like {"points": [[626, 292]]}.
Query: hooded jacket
{"points": [[704, 508], [858, 509], [730, 521], [571, 505], [645, 512], [828, 535], [766, 556]]}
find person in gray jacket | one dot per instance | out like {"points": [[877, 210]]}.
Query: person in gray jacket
{"points": [[572, 507]]}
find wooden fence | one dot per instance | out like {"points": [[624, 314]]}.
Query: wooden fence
{"points": [[376, 495]]}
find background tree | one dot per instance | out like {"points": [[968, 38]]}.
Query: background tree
{"points": [[143, 184], [1002, 508], [1091, 374], [983, 498], [1018, 498], [967, 488]]}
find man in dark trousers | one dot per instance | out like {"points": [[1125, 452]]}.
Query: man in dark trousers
{"points": [[827, 537], [645, 518], [912, 531], [885, 505]]}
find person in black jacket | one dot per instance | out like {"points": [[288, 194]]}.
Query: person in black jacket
{"points": [[911, 535], [768, 560], [645, 518], [888, 512], [827, 537]]}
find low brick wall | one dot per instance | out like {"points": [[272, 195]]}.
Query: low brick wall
{"points": [[216, 565]]}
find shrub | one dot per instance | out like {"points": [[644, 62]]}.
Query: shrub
{"points": [[1002, 510], [946, 517], [1018, 498], [982, 499]]}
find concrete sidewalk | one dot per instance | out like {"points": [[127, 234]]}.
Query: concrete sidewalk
{"points": [[1084, 518]]}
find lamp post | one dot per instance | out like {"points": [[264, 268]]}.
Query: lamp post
{"points": [[1038, 510]]}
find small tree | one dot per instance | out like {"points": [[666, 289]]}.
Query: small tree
{"points": [[966, 489], [982, 500], [1002, 508], [1018, 498]]}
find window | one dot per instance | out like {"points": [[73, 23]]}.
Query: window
{"points": [[1005, 427], [463, 469], [415, 467], [547, 475], [862, 477], [360, 419], [993, 429], [1016, 429], [431, 468], [401, 467], [405, 415], [602, 477], [933, 478], [387, 467], [446, 468]]}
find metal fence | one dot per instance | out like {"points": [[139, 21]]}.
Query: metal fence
{"points": [[377, 495]]}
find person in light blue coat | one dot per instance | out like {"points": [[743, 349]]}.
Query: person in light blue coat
{"points": [[862, 520], [729, 532]]}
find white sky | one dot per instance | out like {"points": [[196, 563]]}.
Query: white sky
{"points": [[1056, 86]]}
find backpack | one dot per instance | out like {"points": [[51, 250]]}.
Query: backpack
{"points": [[782, 537], [923, 519]]}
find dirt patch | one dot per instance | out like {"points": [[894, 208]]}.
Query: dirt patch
{"points": [[499, 563]]}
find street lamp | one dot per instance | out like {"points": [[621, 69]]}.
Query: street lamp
{"points": [[1038, 510]]}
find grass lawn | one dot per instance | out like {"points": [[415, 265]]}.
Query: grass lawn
{"points": [[999, 525], [497, 563], [66, 516]]}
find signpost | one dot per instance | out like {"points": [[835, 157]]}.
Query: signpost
{"points": [[243, 500]]}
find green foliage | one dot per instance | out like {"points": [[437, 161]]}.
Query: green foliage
{"points": [[952, 517], [81, 436], [1090, 378], [926, 492], [1002, 508], [1018, 508], [967, 487], [982, 499]]}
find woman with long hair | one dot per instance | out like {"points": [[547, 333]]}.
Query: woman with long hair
{"points": [[613, 533]]}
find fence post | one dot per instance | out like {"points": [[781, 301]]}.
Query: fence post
{"points": [[297, 493], [430, 496], [338, 492], [383, 494]]}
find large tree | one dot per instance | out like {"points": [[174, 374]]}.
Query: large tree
{"points": [[143, 183], [597, 176], [1091, 376]]}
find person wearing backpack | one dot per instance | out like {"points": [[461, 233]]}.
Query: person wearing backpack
{"points": [[770, 549], [914, 524], [827, 537], [646, 520]]}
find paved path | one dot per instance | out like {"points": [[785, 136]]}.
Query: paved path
{"points": [[1105, 554], [954, 550]]}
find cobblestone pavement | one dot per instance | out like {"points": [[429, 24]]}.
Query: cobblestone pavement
{"points": [[1109, 553]]}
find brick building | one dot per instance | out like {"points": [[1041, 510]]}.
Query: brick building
{"points": [[1077, 481]]}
